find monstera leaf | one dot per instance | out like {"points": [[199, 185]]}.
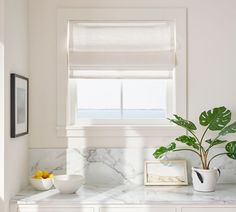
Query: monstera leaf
{"points": [[229, 129], [215, 119], [215, 142], [231, 149], [188, 140], [162, 150], [183, 123]]}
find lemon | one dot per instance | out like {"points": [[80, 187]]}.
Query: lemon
{"points": [[51, 176], [38, 173], [36, 177], [45, 174]]}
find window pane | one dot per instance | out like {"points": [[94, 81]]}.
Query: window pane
{"points": [[144, 98], [103, 99], [98, 98]]}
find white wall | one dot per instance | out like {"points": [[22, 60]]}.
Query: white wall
{"points": [[1, 103], [211, 58], [16, 60]]}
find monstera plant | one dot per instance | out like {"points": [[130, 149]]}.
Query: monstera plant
{"points": [[216, 120]]}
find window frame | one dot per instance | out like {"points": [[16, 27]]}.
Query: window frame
{"points": [[178, 15]]}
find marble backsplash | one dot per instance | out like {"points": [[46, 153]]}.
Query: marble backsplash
{"points": [[115, 165]]}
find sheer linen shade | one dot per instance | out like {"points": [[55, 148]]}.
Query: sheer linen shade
{"points": [[111, 49]]}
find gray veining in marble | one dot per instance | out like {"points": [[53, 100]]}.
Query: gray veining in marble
{"points": [[115, 166]]}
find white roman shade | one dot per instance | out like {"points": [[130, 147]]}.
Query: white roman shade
{"points": [[95, 74], [119, 48]]}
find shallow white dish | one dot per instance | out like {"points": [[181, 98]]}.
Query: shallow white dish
{"points": [[68, 184], [41, 184]]}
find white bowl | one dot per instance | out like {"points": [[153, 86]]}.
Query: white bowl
{"points": [[41, 184], [68, 184]]}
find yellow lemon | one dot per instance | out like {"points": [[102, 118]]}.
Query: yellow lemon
{"points": [[51, 175], [45, 174], [38, 173], [36, 177]]}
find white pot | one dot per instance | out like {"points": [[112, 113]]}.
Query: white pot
{"points": [[205, 179]]}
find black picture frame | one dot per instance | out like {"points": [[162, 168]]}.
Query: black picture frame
{"points": [[19, 105]]}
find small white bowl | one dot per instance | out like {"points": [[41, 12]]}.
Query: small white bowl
{"points": [[41, 184], [68, 184]]}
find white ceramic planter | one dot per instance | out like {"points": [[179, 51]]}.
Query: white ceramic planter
{"points": [[205, 180]]}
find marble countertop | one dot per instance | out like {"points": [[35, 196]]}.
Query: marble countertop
{"points": [[129, 194]]}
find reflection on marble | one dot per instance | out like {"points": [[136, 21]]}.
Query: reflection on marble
{"points": [[130, 194], [114, 166]]}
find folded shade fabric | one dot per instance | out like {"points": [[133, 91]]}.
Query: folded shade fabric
{"points": [[121, 46]]}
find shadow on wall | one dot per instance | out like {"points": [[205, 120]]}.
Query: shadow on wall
{"points": [[107, 156], [1, 205]]}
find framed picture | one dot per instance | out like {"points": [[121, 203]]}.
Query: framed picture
{"points": [[19, 105], [165, 172]]}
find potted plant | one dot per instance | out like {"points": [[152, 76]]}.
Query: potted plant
{"points": [[217, 120]]}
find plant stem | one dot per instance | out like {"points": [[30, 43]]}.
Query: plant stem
{"points": [[210, 146], [207, 150], [205, 159], [224, 153], [203, 152], [194, 136], [201, 148], [176, 150], [217, 137], [203, 135]]}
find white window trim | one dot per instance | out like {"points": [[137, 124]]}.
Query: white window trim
{"points": [[113, 14]]}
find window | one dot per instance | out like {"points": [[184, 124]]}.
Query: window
{"points": [[121, 72], [140, 54], [121, 98]]}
